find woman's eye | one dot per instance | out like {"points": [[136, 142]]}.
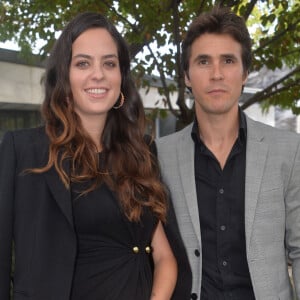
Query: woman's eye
{"points": [[82, 64], [110, 64]]}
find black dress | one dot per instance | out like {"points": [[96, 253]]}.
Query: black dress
{"points": [[113, 260]]}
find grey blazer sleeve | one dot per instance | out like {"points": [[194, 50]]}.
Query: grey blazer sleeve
{"points": [[292, 202]]}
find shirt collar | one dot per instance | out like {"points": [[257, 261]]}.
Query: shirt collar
{"points": [[242, 131]]}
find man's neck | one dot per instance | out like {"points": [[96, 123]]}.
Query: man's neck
{"points": [[219, 133]]}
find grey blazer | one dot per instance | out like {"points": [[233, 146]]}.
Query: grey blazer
{"points": [[272, 205]]}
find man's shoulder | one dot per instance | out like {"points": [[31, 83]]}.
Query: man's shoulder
{"points": [[280, 140], [175, 137], [269, 131]]}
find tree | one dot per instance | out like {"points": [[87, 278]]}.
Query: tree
{"points": [[155, 29]]}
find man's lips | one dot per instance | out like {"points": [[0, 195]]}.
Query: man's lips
{"points": [[215, 91]]}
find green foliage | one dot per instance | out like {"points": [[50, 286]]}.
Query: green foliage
{"points": [[154, 29]]}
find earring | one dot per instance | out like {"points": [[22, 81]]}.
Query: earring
{"points": [[122, 100]]}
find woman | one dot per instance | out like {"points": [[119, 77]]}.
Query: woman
{"points": [[80, 199]]}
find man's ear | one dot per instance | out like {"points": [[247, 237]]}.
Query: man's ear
{"points": [[245, 77], [187, 79]]}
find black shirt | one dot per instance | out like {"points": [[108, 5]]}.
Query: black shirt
{"points": [[221, 203]]}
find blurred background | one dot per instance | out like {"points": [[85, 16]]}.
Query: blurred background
{"points": [[154, 31]]}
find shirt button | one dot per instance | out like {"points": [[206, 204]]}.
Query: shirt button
{"points": [[221, 191], [224, 263], [197, 252], [223, 227], [194, 296]]}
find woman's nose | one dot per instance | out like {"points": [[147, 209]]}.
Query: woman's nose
{"points": [[98, 73]]}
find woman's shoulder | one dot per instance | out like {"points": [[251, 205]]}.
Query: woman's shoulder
{"points": [[28, 132], [26, 136]]}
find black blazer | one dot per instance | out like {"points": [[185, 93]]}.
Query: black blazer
{"points": [[36, 210]]}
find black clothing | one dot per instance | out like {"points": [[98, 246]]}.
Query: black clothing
{"points": [[221, 198], [112, 261]]}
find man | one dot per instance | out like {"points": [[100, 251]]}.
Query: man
{"points": [[234, 182]]}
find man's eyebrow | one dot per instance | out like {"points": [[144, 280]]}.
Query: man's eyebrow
{"points": [[207, 56], [229, 55], [201, 57]]}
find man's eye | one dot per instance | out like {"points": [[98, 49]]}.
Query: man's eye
{"points": [[228, 60], [203, 62]]}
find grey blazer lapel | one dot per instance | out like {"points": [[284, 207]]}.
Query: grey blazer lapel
{"points": [[256, 155], [185, 157], [60, 193]]}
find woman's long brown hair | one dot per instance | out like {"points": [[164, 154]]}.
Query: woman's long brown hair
{"points": [[129, 168]]}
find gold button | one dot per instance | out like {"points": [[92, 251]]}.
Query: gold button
{"points": [[135, 249], [148, 249]]}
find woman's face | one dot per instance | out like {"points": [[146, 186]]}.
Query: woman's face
{"points": [[95, 76]]}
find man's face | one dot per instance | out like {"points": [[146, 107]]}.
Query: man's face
{"points": [[216, 73]]}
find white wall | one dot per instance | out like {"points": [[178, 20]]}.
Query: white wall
{"points": [[152, 99], [20, 84], [254, 111]]}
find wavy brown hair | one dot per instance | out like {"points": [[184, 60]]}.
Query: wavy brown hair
{"points": [[128, 168]]}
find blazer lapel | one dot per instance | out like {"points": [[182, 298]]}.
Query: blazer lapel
{"points": [[185, 158], [59, 192], [256, 155]]}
